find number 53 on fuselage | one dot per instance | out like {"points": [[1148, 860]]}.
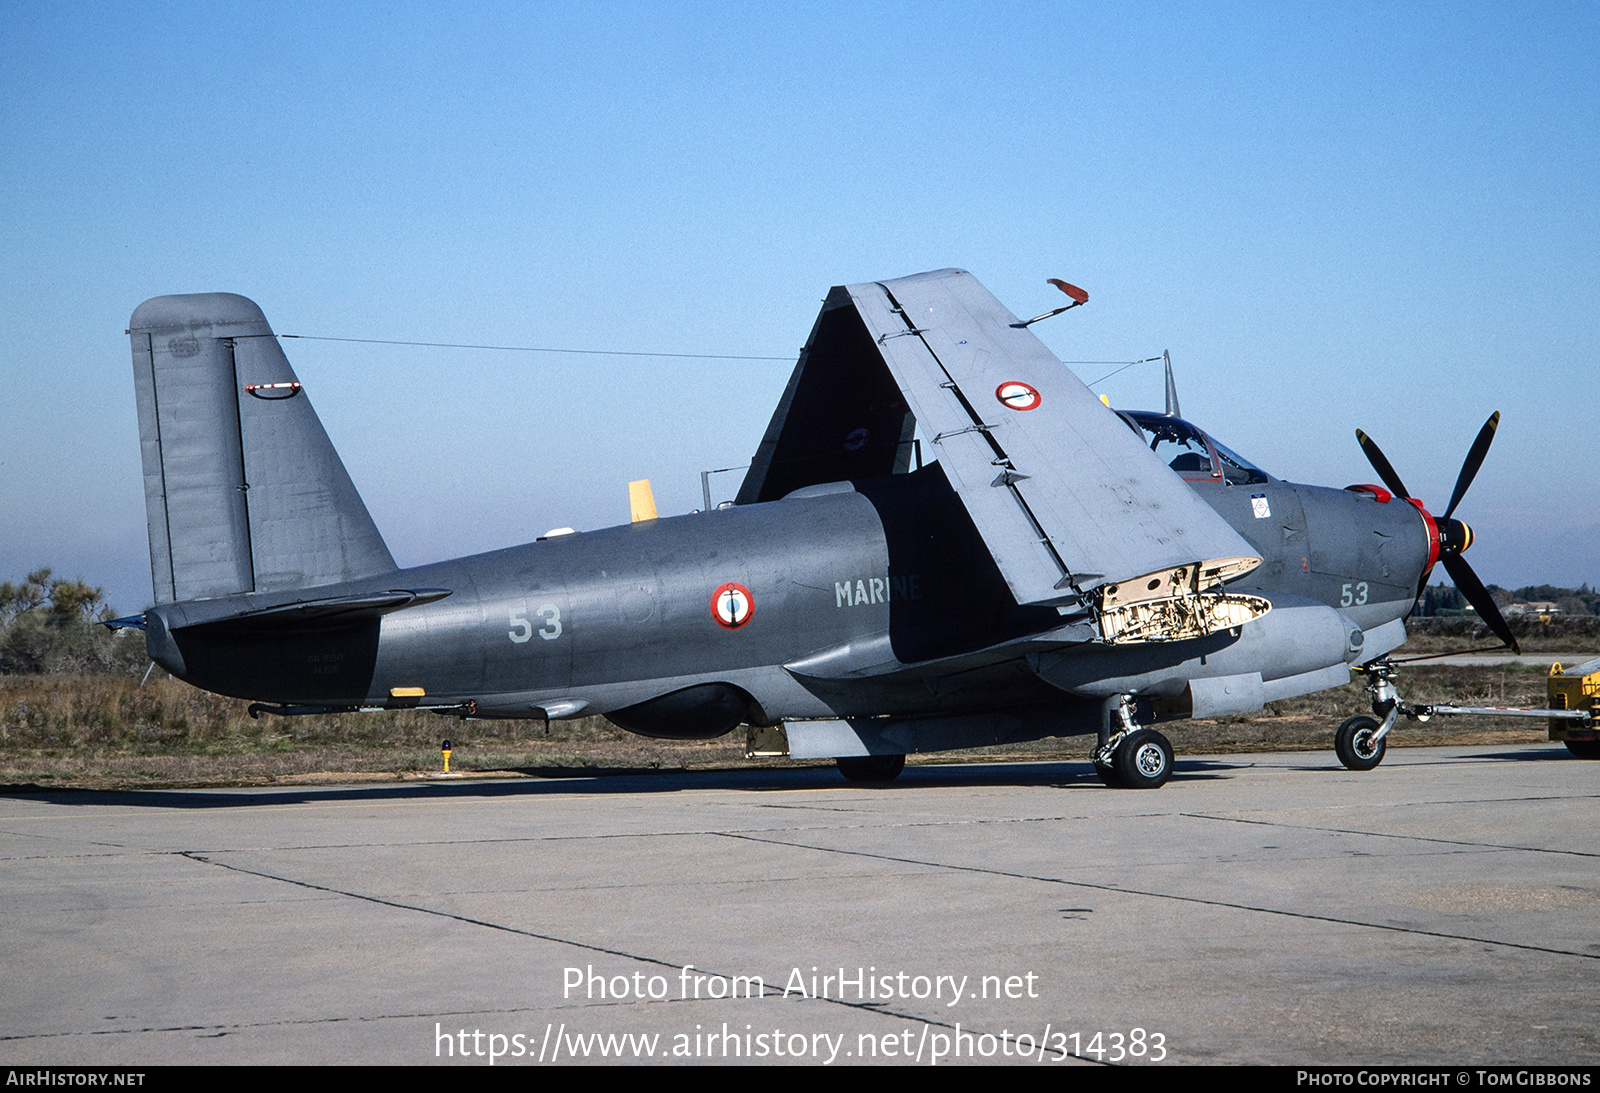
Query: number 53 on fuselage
{"points": [[1056, 568]]}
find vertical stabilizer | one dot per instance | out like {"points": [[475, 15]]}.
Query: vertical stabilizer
{"points": [[243, 490]]}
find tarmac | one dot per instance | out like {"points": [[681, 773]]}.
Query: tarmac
{"points": [[1498, 660], [1272, 908]]}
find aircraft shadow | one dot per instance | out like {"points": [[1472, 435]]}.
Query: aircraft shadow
{"points": [[1554, 753], [542, 782]]}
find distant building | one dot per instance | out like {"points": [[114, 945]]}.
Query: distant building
{"points": [[1542, 608]]}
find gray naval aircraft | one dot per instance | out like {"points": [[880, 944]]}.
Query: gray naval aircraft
{"points": [[1059, 568]]}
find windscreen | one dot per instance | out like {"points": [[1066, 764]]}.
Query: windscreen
{"points": [[1185, 449]]}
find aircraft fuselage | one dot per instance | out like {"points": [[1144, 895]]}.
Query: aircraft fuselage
{"points": [[863, 579]]}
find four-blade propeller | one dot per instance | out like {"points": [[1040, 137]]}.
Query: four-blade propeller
{"points": [[1454, 536]]}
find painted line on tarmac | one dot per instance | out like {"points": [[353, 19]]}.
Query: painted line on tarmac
{"points": [[864, 1007], [1412, 838], [1125, 891]]}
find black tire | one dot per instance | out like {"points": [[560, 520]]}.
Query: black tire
{"points": [[1143, 760], [1584, 749], [1108, 775], [871, 768], [1353, 744]]}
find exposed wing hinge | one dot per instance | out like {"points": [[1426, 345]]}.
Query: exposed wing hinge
{"points": [[1186, 601], [901, 334], [978, 428]]}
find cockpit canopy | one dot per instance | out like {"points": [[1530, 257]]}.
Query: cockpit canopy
{"points": [[1189, 451]]}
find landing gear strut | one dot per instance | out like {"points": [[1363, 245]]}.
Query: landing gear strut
{"points": [[1129, 757], [1359, 741]]}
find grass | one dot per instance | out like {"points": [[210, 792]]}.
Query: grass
{"points": [[101, 731], [104, 731], [1576, 634]]}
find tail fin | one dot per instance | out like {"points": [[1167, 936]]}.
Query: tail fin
{"points": [[243, 490]]}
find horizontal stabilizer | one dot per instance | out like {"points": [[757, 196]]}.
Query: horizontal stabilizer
{"points": [[328, 613]]}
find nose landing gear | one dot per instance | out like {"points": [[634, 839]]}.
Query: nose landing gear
{"points": [[1359, 743]]}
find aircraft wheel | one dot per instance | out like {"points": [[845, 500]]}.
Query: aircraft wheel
{"points": [[1354, 745], [1143, 760], [1584, 749], [871, 768]]}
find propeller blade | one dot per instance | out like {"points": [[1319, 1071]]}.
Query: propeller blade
{"points": [[1478, 596], [1381, 465], [1469, 469]]}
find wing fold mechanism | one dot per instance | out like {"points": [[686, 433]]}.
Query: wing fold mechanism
{"points": [[1186, 601]]}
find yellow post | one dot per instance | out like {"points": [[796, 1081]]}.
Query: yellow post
{"points": [[445, 747], [641, 500]]}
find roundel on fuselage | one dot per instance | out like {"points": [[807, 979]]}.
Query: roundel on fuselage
{"points": [[732, 605]]}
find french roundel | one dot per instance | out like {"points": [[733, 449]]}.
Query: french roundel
{"points": [[1018, 395], [732, 605]]}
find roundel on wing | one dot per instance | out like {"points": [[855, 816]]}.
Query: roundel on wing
{"points": [[732, 605], [1017, 395]]}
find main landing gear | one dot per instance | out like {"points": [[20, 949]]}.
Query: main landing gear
{"points": [[1128, 757]]}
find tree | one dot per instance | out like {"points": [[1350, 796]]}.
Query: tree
{"points": [[47, 624], [1441, 597], [74, 602], [18, 599]]}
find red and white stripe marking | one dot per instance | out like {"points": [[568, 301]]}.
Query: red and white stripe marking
{"points": [[272, 390]]}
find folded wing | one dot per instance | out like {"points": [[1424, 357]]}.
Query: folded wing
{"points": [[1066, 496]]}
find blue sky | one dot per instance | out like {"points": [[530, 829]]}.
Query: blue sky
{"points": [[1334, 216]]}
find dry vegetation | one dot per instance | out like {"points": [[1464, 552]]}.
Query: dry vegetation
{"points": [[103, 731], [108, 730], [1563, 634], [77, 714]]}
